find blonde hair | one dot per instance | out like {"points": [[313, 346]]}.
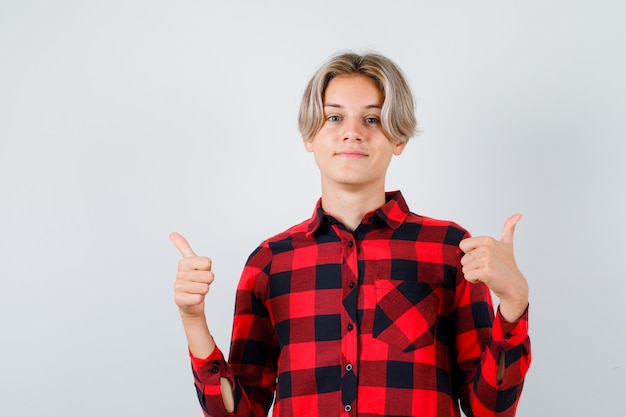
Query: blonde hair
{"points": [[398, 111]]}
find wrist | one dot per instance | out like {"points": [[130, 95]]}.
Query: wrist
{"points": [[514, 302], [512, 310], [186, 316]]}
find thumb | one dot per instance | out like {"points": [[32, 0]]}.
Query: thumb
{"points": [[509, 228], [182, 245]]}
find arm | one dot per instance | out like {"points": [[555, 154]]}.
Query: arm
{"points": [[254, 346], [193, 279], [493, 380], [236, 387]]}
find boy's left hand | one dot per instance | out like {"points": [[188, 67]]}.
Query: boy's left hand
{"points": [[493, 262]]}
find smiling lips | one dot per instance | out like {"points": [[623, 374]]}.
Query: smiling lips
{"points": [[351, 154]]}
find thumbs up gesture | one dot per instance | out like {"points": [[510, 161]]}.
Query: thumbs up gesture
{"points": [[193, 279], [492, 262]]}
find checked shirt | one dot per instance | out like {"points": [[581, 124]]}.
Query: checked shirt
{"points": [[375, 322]]}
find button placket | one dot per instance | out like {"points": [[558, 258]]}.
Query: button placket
{"points": [[349, 342]]}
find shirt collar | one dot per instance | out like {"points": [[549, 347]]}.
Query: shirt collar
{"points": [[392, 213]]}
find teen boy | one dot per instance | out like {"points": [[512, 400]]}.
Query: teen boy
{"points": [[365, 309]]}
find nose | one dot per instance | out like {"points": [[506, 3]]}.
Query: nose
{"points": [[353, 129]]}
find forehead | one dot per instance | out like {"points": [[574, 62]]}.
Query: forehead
{"points": [[353, 88]]}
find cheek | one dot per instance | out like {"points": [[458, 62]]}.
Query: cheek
{"points": [[319, 160]]}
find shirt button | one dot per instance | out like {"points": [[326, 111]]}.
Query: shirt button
{"points": [[215, 369], [348, 408], [349, 367], [350, 243], [507, 336], [352, 285], [350, 327]]}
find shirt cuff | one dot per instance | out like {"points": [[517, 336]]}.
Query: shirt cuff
{"points": [[207, 374], [510, 334], [209, 370]]}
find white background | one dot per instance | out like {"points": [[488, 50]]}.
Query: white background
{"points": [[121, 121]]}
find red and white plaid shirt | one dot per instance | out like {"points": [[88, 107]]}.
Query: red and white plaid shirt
{"points": [[377, 322]]}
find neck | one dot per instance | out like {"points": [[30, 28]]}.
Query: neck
{"points": [[350, 206]]}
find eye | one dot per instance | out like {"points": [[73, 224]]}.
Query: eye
{"points": [[372, 120], [333, 118]]}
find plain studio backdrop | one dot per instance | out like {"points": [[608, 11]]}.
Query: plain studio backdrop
{"points": [[121, 121]]}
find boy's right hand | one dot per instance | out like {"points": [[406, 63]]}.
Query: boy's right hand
{"points": [[193, 279]]}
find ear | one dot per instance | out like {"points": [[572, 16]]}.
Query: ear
{"points": [[398, 148], [308, 144]]}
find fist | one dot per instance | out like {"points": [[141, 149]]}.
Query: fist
{"points": [[193, 279], [492, 261]]}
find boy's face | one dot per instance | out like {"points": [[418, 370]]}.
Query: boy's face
{"points": [[351, 148]]}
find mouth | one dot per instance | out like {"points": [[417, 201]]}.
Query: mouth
{"points": [[351, 154]]}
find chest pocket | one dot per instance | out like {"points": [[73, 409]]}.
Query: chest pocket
{"points": [[406, 313]]}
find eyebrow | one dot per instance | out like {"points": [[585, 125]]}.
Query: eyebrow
{"points": [[339, 106]]}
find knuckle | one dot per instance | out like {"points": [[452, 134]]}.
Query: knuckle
{"points": [[181, 276], [180, 300], [179, 288], [205, 264], [183, 264]]}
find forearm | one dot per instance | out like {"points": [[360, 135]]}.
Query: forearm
{"points": [[492, 356], [497, 386], [199, 338], [202, 345]]}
